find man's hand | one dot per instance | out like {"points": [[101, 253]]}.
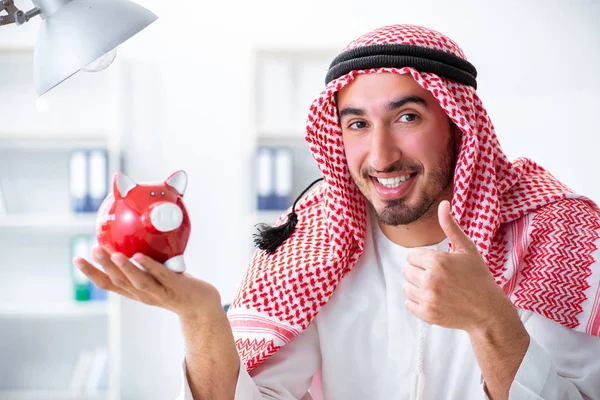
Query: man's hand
{"points": [[211, 358], [455, 289], [156, 285]]}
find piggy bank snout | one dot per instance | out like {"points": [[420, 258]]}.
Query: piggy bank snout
{"points": [[166, 217]]}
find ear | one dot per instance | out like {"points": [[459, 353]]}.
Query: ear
{"points": [[122, 184], [178, 181]]}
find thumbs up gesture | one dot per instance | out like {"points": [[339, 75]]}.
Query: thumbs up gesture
{"points": [[452, 289]]}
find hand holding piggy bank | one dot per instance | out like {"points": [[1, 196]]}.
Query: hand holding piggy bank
{"points": [[146, 218]]}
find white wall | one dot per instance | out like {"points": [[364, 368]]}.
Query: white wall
{"points": [[537, 63]]}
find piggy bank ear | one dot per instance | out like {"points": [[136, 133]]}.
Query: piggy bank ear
{"points": [[122, 184], [178, 181]]}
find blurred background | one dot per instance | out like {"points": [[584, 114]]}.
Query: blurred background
{"points": [[221, 90]]}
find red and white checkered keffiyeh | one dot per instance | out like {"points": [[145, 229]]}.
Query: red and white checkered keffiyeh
{"points": [[538, 237]]}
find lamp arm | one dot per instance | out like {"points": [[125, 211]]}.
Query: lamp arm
{"points": [[15, 15]]}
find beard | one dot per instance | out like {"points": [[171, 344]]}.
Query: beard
{"points": [[398, 211]]}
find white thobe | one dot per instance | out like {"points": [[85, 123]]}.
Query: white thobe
{"points": [[364, 344]]}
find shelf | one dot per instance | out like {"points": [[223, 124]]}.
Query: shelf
{"points": [[54, 309], [47, 395], [24, 141], [267, 217], [56, 222], [267, 132]]}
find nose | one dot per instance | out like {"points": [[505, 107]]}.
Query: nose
{"points": [[384, 149], [166, 217]]}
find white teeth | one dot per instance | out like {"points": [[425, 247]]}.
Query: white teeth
{"points": [[393, 182]]}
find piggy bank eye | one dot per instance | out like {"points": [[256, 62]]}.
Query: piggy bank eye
{"points": [[162, 193], [152, 194]]}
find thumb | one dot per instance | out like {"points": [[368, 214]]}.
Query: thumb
{"points": [[459, 240]]}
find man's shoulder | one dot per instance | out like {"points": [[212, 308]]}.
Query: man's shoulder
{"points": [[563, 226], [575, 213]]}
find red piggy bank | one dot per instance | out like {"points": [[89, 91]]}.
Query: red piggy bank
{"points": [[146, 218]]}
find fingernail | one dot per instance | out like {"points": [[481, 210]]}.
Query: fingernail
{"points": [[97, 252], [135, 262], [118, 259]]}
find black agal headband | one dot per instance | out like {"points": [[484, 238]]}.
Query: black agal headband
{"points": [[403, 55]]}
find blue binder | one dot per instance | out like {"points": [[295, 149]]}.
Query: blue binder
{"points": [[96, 293], [264, 179], [78, 180], [284, 164], [98, 178]]}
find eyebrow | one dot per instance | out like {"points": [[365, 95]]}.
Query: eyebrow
{"points": [[394, 105]]}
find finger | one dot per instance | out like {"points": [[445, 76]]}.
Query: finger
{"points": [[141, 280], [99, 278], [459, 240], [411, 292], [161, 273], [421, 258], [116, 276], [414, 275], [412, 307]]}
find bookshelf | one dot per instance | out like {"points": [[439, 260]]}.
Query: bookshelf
{"points": [[285, 82], [72, 348]]}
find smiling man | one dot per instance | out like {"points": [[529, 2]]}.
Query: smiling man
{"points": [[426, 266]]}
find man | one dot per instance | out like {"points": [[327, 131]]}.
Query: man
{"points": [[426, 265]]}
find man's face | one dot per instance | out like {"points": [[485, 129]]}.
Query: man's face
{"points": [[400, 146]]}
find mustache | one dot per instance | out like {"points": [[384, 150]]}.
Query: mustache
{"points": [[398, 166]]}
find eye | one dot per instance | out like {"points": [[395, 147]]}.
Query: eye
{"points": [[358, 125], [408, 117], [162, 193], [152, 194]]}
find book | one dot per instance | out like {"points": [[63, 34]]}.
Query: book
{"points": [[283, 169], [97, 377], [96, 293], [264, 178], [81, 283], [81, 372], [97, 179], [78, 180]]}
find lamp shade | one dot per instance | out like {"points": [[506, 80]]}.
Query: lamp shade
{"points": [[80, 32]]}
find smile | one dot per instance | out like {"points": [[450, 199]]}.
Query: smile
{"points": [[393, 187], [393, 182]]}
